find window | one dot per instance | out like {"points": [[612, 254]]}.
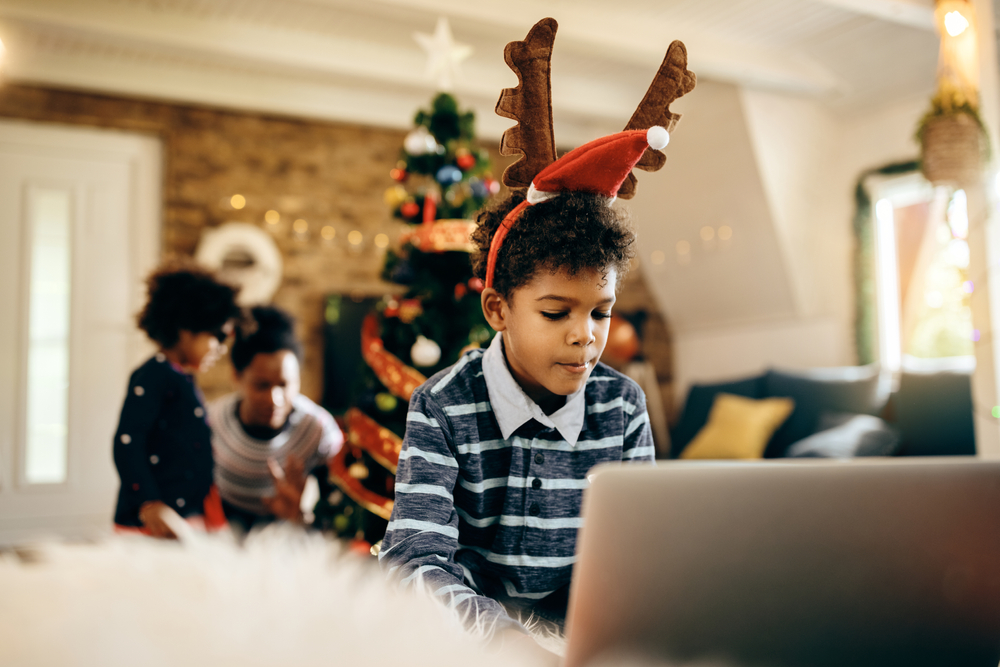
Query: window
{"points": [[922, 272], [46, 414]]}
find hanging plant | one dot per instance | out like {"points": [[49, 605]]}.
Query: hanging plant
{"points": [[952, 136]]}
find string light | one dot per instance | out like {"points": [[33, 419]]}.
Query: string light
{"points": [[238, 201]]}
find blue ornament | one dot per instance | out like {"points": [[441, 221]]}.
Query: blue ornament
{"points": [[479, 188], [449, 174], [402, 274]]}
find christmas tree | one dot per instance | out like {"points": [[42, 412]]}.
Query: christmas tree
{"points": [[442, 180]]}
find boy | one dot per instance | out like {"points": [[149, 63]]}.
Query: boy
{"points": [[497, 447], [267, 437]]}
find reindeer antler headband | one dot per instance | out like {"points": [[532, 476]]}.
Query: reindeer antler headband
{"points": [[603, 166]]}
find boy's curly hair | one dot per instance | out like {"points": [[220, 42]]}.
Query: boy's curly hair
{"points": [[572, 232], [184, 296], [272, 330]]}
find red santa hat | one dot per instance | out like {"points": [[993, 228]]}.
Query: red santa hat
{"points": [[598, 167]]}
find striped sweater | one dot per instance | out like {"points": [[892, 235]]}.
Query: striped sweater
{"points": [[241, 470], [489, 523]]}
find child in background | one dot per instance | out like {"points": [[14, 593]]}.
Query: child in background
{"points": [[267, 437], [162, 447], [497, 447]]}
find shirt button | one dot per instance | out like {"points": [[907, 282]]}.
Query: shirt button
{"points": [[198, 412], [154, 459], [535, 510], [536, 484], [139, 391], [539, 458], [126, 438], [161, 357], [180, 502]]}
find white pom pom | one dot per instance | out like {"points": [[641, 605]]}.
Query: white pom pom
{"points": [[657, 137]]}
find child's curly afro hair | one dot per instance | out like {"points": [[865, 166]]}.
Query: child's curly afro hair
{"points": [[272, 330], [184, 296], [572, 232]]}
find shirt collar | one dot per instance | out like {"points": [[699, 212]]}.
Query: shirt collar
{"points": [[513, 408]]}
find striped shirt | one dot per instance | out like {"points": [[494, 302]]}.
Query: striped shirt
{"points": [[488, 521], [241, 470]]}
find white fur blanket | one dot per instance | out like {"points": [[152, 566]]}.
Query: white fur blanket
{"points": [[282, 598]]}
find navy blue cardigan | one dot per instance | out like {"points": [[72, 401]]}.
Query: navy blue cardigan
{"points": [[163, 445]]}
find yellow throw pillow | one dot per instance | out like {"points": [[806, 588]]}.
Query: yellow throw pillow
{"points": [[738, 427]]}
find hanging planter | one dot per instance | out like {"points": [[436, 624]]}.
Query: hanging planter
{"points": [[953, 148], [953, 143]]}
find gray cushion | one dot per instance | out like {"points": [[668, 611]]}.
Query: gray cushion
{"points": [[847, 435], [852, 389]]}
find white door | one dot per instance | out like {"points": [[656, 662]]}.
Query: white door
{"points": [[79, 228]]}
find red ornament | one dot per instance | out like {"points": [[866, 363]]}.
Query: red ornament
{"points": [[623, 341], [476, 285], [410, 209], [430, 208], [460, 291], [466, 161], [398, 175]]}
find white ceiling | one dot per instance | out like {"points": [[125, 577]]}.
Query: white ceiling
{"points": [[358, 61]]}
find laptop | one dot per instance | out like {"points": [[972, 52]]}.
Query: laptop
{"points": [[846, 563]]}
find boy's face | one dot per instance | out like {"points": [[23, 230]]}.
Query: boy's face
{"points": [[269, 385], [555, 329]]}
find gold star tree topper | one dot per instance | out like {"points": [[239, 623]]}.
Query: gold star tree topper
{"points": [[444, 54]]}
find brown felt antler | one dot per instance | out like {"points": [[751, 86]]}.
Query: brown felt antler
{"points": [[672, 80], [530, 104]]}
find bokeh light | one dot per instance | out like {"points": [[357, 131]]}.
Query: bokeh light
{"points": [[355, 237], [328, 233], [707, 233], [238, 201], [658, 257], [725, 233], [300, 226], [272, 217], [381, 240], [683, 248]]}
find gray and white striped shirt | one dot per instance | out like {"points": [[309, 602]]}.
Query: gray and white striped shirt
{"points": [[241, 470], [486, 517]]}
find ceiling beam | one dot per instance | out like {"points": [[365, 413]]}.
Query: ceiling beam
{"points": [[912, 13]]}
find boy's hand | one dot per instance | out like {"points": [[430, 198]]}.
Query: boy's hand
{"points": [[151, 515], [288, 485]]}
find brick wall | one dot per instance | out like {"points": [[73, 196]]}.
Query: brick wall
{"points": [[329, 174]]}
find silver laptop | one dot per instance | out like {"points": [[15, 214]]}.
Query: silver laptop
{"points": [[891, 562]]}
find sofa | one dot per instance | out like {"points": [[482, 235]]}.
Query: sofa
{"points": [[850, 411]]}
